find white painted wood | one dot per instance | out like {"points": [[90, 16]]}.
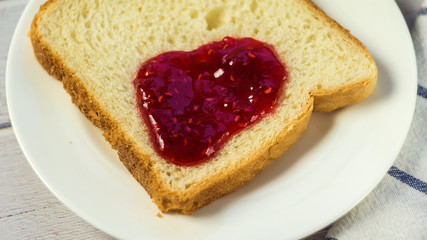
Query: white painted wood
{"points": [[27, 209], [9, 14]]}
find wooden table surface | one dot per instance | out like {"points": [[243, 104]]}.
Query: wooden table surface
{"points": [[27, 209]]}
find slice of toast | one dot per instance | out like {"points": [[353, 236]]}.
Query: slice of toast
{"points": [[95, 48]]}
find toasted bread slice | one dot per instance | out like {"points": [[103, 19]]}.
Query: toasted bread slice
{"points": [[95, 48]]}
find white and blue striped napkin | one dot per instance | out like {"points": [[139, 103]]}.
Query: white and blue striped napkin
{"points": [[397, 208]]}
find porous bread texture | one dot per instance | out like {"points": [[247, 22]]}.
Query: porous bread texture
{"points": [[96, 47]]}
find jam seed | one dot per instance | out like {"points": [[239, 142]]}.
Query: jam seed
{"points": [[185, 141], [254, 118], [160, 99], [204, 151]]}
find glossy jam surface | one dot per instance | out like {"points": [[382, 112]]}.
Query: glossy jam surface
{"points": [[193, 102]]}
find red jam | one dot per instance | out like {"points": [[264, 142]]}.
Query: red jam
{"points": [[193, 102]]}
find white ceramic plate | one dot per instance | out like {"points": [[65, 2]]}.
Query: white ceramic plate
{"points": [[337, 161]]}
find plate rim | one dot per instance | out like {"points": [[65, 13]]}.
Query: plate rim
{"points": [[89, 219]]}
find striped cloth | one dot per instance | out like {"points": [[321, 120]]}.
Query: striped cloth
{"points": [[397, 208]]}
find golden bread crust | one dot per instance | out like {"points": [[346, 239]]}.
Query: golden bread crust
{"points": [[329, 100], [139, 163]]}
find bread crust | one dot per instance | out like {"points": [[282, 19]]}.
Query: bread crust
{"points": [[139, 163], [135, 161], [332, 99]]}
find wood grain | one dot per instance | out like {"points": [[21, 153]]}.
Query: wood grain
{"points": [[27, 209], [9, 15]]}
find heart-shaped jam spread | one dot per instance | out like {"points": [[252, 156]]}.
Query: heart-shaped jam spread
{"points": [[193, 102]]}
